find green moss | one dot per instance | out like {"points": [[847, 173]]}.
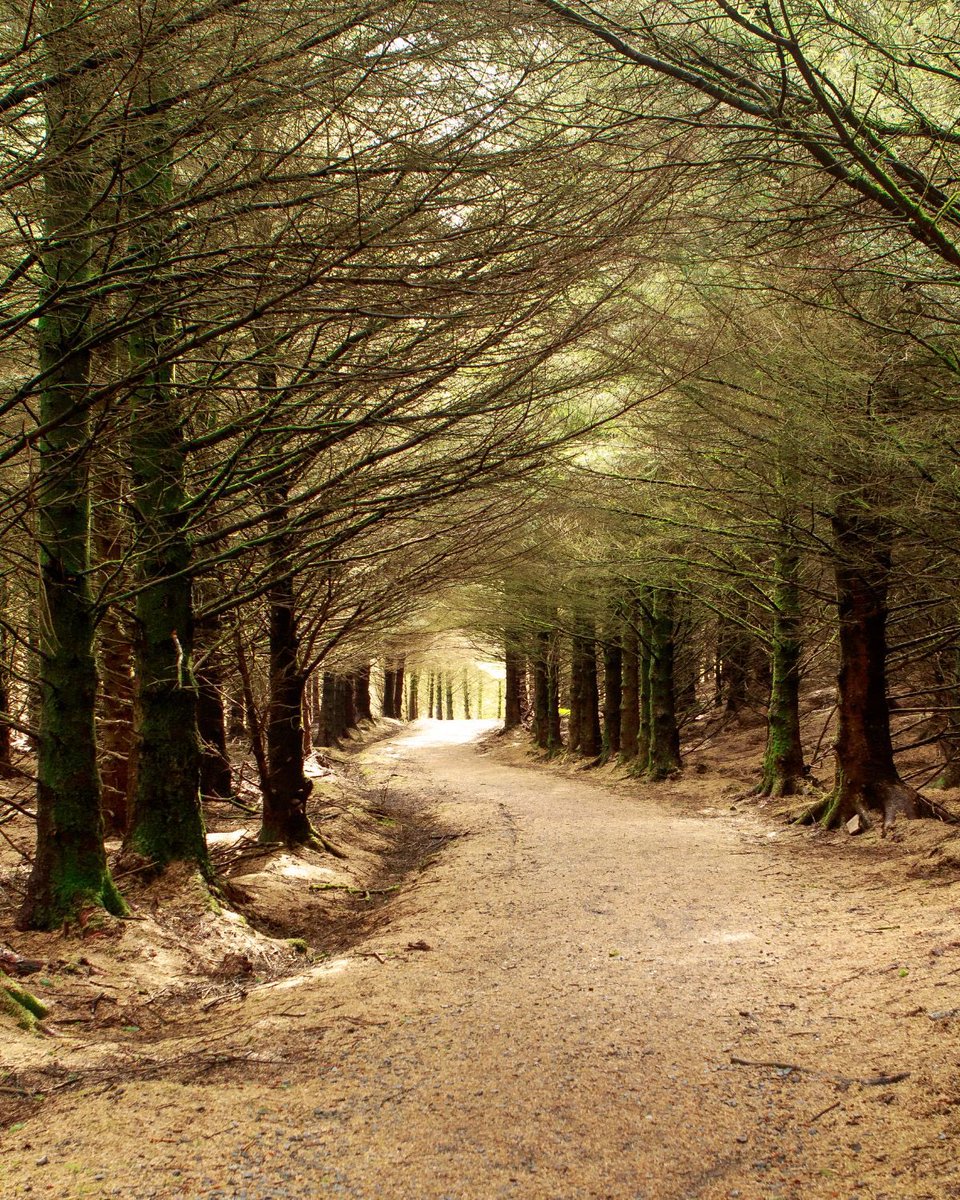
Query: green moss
{"points": [[26, 1010], [26, 999], [298, 944]]}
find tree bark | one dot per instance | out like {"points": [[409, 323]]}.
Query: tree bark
{"points": [[630, 695], [546, 713], [115, 715], [361, 694], [585, 688], [69, 871], [285, 805], [398, 691], [329, 732], [166, 821], [663, 756], [612, 690], [216, 782], [389, 706], [783, 766], [867, 780], [948, 676]]}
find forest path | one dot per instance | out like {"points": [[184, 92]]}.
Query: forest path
{"points": [[597, 962]]}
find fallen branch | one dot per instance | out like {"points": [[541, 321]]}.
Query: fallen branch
{"points": [[844, 1080]]}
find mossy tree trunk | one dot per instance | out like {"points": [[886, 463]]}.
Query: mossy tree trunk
{"points": [[783, 766], [69, 870], [663, 756], [166, 821], [448, 696]]}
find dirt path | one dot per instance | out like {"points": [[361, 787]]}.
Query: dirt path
{"points": [[596, 965]]}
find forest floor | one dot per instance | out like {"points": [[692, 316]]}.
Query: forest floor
{"points": [[533, 982]]}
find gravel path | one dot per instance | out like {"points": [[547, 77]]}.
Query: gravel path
{"points": [[597, 964]]}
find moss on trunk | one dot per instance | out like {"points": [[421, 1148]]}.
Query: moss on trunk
{"points": [[69, 870], [166, 822], [783, 766]]}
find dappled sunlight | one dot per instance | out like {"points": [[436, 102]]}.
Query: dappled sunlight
{"points": [[229, 837]]}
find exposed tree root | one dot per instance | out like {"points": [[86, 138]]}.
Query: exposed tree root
{"points": [[888, 801], [779, 787], [25, 1009]]}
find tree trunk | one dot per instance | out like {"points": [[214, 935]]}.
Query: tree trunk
{"points": [[867, 780], [398, 691], [783, 767], [512, 690], [439, 710], [645, 649], [663, 756], [329, 734], [546, 718], [466, 695], [361, 694], [612, 691], [630, 695], [413, 699], [166, 821], [735, 650], [348, 703], [948, 676], [285, 806], [388, 707], [216, 781], [449, 696], [69, 870], [115, 722], [584, 688], [6, 691]]}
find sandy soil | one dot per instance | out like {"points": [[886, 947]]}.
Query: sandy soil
{"points": [[590, 989]]}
